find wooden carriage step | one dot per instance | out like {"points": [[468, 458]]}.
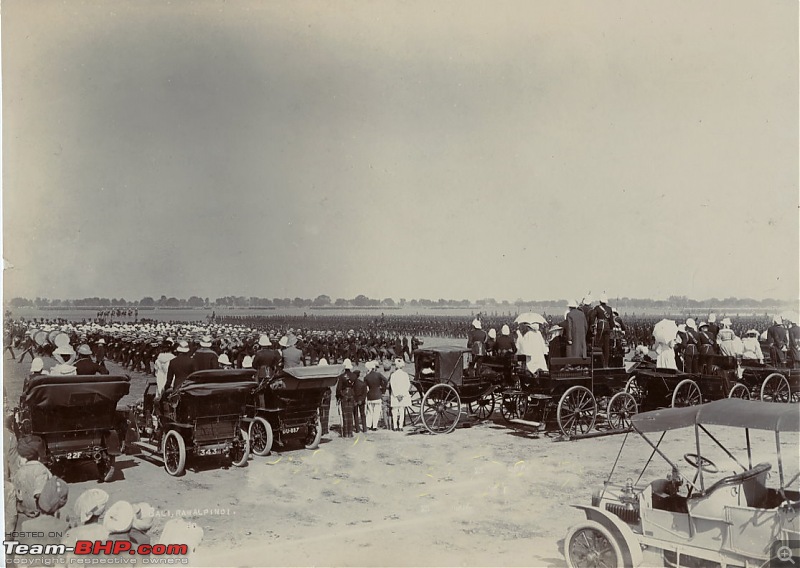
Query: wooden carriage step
{"points": [[526, 422]]}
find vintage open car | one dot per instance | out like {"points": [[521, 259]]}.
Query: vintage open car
{"points": [[204, 416], [447, 377], [76, 416], [286, 406], [708, 518]]}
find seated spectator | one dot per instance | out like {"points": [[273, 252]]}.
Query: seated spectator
{"points": [[751, 347]]}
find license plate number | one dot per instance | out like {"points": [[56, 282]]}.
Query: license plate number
{"points": [[209, 451], [294, 430]]}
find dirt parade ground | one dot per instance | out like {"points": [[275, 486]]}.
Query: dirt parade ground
{"points": [[485, 495]]}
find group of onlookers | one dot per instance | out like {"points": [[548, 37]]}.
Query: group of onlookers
{"points": [[374, 399], [35, 503]]}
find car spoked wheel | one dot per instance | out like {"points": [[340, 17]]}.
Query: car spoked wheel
{"points": [[314, 435], [174, 453], [776, 389], [591, 545], [577, 411], [261, 436], [240, 450]]}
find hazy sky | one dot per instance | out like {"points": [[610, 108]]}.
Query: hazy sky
{"points": [[534, 149]]}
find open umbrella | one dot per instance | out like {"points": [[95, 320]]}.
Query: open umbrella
{"points": [[530, 317], [665, 331]]}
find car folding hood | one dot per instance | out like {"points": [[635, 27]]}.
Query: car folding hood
{"points": [[76, 390], [734, 412], [217, 381]]}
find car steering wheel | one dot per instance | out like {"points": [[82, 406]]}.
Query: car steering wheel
{"points": [[698, 461]]}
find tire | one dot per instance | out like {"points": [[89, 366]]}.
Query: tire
{"points": [[739, 391], [577, 411], [620, 409], [240, 450], [314, 435], [591, 545], [174, 453], [687, 393], [775, 388], [483, 407], [441, 409], [261, 437]]}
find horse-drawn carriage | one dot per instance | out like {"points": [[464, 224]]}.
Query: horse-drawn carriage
{"points": [[572, 395], [76, 416], [725, 377], [447, 377], [286, 405], [203, 416]]}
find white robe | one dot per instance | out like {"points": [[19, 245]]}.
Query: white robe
{"points": [[533, 347], [161, 368], [400, 384]]}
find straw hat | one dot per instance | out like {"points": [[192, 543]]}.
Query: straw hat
{"points": [[183, 347]]}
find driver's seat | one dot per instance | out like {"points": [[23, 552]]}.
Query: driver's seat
{"points": [[712, 500]]}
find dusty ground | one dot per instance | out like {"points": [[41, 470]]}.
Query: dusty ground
{"points": [[488, 495]]}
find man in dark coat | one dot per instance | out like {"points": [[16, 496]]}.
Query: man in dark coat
{"points": [[575, 332], [180, 367], [476, 335], [794, 343], [85, 366], [205, 358], [266, 359], [777, 339], [602, 321]]}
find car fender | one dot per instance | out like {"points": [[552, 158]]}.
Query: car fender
{"points": [[632, 551]]}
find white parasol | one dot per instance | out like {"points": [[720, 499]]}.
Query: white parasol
{"points": [[665, 331], [530, 317]]}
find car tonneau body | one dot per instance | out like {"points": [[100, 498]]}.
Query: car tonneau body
{"points": [[50, 392], [733, 412]]}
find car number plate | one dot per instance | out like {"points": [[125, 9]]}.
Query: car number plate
{"points": [[74, 455], [294, 430], [209, 451]]}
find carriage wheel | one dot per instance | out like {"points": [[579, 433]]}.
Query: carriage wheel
{"points": [[687, 393], [775, 388], [483, 407], [513, 406], [620, 409], [414, 411], [577, 411], [739, 391], [174, 453], [441, 408], [633, 388], [590, 545], [261, 437], [314, 435]]}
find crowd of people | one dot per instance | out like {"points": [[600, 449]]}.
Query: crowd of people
{"points": [[35, 501]]}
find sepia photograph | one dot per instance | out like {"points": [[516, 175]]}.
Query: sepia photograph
{"points": [[401, 283]]}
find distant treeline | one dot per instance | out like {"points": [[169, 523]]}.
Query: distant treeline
{"points": [[681, 303]]}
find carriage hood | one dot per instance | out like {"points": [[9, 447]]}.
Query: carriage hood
{"points": [[76, 390], [734, 412]]}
